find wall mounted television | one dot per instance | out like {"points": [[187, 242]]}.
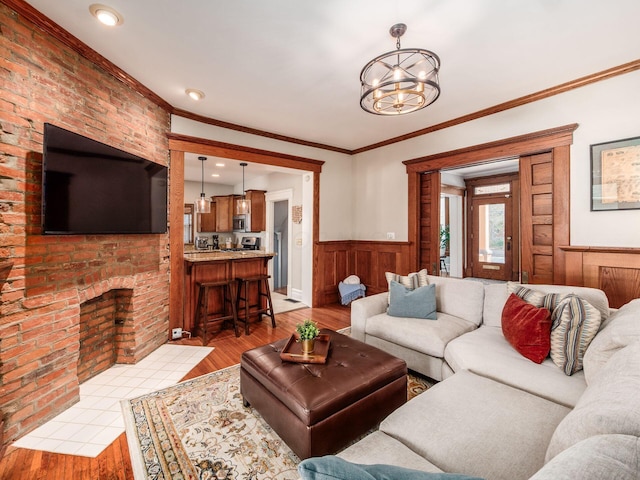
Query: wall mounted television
{"points": [[92, 188]]}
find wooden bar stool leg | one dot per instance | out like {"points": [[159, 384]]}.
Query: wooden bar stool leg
{"points": [[265, 282], [246, 307], [232, 301], [243, 306], [198, 311], [204, 313]]}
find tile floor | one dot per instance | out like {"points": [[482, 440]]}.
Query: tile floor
{"points": [[280, 304], [89, 426]]}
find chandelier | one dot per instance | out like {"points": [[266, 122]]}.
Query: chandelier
{"points": [[400, 81]]}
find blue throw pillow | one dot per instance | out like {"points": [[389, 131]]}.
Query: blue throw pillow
{"points": [[331, 467], [418, 303]]}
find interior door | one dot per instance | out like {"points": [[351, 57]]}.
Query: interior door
{"points": [[429, 232], [537, 205], [492, 238]]}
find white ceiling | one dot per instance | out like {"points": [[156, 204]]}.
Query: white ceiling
{"points": [[292, 67]]}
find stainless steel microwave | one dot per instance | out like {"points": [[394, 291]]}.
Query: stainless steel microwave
{"points": [[239, 223]]}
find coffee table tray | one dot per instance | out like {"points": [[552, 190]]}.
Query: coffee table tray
{"points": [[292, 351]]}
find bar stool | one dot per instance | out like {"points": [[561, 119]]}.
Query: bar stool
{"points": [[204, 318], [244, 302]]}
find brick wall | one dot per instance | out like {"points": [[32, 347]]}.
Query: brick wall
{"points": [[45, 279]]}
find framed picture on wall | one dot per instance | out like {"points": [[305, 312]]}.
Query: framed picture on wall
{"points": [[615, 175]]}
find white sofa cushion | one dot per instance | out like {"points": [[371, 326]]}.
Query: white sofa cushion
{"points": [[622, 329], [486, 352], [426, 336], [495, 296], [459, 298], [596, 458], [473, 425], [610, 404], [378, 447]]}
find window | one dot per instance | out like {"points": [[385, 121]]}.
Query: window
{"points": [[188, 223], [489, 189]]}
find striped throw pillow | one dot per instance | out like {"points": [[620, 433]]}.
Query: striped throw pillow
{"points": [[575, 322], [535, 297], [411, 281]]}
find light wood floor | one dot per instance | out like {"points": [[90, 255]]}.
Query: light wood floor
{"points": [[113, 463]]}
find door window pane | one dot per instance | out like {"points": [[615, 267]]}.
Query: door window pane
{"points": [[491, 239], [487, 189]]}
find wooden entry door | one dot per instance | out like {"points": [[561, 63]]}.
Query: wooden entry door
{"points": [[493, 225], [492, 238]]}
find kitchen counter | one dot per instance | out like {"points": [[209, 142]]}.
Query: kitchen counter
{"points": [[215, 266], [216, 255]]}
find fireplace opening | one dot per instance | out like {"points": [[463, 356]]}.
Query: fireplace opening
{"points": [[102, 323]]}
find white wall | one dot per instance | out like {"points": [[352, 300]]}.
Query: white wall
{"points": [[605, 111], [192, 190]]}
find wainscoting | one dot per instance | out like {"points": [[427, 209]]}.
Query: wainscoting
{"points": [[616, 271], [336, 260]]}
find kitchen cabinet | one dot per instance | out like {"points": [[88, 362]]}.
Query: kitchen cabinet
{"points": [[257, 219], [207, 221], [224, 212]]}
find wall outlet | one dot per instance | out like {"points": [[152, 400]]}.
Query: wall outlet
{"points": [[176, 333], [391, 235]]}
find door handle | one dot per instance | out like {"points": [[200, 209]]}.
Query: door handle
{"points": [[508, 243]]}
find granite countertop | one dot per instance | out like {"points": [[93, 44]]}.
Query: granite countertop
{"points": [[212, 256]]}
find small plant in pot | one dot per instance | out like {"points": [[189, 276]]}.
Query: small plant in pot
{"points": [[307, 331]]}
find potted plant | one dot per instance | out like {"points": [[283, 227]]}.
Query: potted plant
{"points": [[307, 331], [444, 239]]}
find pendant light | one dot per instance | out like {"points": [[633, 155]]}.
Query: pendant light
{"points": [[243, 206], [202, 204], [401, 81]]}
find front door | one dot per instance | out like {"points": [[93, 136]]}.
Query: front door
{"points": [[492, 238], [493, 228]]}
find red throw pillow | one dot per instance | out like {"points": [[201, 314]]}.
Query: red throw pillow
{"points": [[527, 328]]}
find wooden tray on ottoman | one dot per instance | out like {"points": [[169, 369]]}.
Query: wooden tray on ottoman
{"points": [[292, 351]]}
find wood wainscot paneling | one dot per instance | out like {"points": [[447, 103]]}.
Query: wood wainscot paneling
{"points": [[369, 260], [616, 271]]}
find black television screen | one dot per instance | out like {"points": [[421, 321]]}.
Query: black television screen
{"points": [[91, 188]]}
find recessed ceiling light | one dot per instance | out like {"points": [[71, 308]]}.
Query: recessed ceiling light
{"points": [[106, 15], [215, 174], [219, 164], [195, 94]]}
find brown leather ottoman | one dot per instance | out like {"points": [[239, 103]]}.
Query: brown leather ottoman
{"points": [[319, 408]]}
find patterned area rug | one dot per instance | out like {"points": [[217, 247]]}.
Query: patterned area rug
{"points": [[199, 429]]}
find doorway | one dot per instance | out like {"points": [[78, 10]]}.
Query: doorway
{"points": [[493, 226], [281, 246], [278, 239]]}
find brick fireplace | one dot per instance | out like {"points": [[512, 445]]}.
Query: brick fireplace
{"points": [[52, 287], [102, 343]]}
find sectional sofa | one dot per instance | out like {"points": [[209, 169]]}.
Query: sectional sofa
{"points": [[496, 414]]}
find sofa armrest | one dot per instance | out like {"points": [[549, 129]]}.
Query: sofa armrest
{"points": [[364, 308]]}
